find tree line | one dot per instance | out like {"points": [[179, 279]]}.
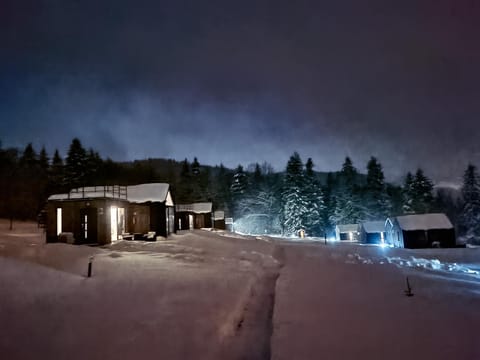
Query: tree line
{"points": [[301, 198], [297, 198]]}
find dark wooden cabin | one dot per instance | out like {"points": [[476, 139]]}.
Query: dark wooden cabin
{"points": [[219, 220], [194, 216], [346, 232], [420, 231], [102, 214], [372, 232]]}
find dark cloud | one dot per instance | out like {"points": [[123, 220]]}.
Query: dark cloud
{"points": [[237, 82]]}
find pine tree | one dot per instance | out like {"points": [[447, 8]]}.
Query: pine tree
{"points": [[293, 196], [43, 160], [257, 177], [377, 204], [240, 182], [56, 174], [93, 167], [195, 167], [314, 202], [29, 158], [422, 189], [185, 189], [221, 189], [329, 201], [347, 209], [470, 215], [348, 173], [76, 165], [408, 194]]}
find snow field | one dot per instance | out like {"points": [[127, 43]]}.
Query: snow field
{"points": [[206, 295], [176, 299], [332, 303]]}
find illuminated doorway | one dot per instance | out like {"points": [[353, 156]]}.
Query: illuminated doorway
{"points": [[117, 222], [59, 221]]}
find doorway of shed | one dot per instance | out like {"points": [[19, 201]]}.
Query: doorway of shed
{"points": [[59, 221], [190, 222], [117, 222]]}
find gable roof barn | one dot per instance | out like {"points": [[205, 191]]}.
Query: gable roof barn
{"points": [[420, 231], [373, 226], [424, 222]]}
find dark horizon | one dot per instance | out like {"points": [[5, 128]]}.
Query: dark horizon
{"points": [[250, 82]]}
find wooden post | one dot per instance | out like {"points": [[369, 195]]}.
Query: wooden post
{"points": [[408, 292], [90, 266]]}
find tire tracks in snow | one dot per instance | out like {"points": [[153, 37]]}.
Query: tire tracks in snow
{"points": [[253, 328]]}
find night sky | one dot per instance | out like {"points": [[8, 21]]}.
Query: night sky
{"points": [[247, 81]]}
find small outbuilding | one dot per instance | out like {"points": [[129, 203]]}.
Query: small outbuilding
{"points": [[420, 231], [102, 214], [346, 232], [194, 216], [372, 232], [219, 220]]}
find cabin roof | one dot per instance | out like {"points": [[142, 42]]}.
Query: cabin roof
{"points": [[373, 226], [154, 192], [197, 208], [347, 228], [424, 222]]}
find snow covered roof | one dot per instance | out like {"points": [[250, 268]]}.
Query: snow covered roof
{"points": [[154, 192], [347, 228], [197, 208], [219, 215], [424, 222], [374, 226]]}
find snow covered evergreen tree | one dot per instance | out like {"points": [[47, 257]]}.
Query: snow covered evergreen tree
{"points": [[347, 209], [314, 202], [470, 215], [238, 189], [240, 181], [408, 194], [293, 196], [329, 203]]}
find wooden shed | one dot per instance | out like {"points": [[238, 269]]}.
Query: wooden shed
{"points": [[194, 216], [346, 232], [102, 214], [219, 220], [372, 232], [420, 231]]}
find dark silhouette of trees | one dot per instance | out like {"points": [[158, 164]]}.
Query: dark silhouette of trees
{"points": [[470, 213]]}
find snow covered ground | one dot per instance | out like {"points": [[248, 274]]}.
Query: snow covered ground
{"points": [[215, 295], [345, 301]]}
